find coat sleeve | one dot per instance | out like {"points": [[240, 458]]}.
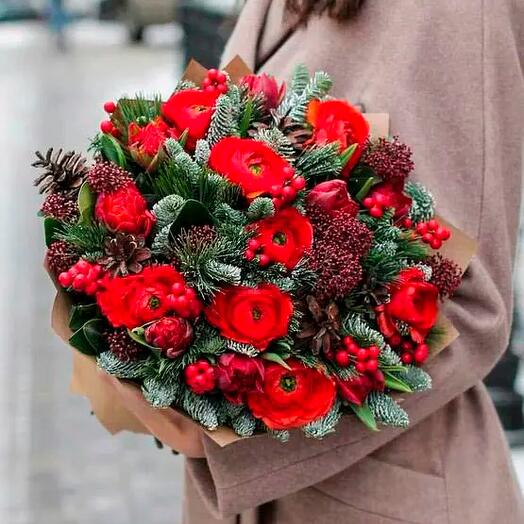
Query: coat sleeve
{"points": [[257, 470]]}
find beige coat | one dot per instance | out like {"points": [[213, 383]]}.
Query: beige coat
{"points": [[449, 72]]}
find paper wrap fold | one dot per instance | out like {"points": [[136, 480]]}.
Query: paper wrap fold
{"points": [[86, 377]]}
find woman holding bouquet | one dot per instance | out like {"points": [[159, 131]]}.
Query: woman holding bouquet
{"points": [[450, 76]]}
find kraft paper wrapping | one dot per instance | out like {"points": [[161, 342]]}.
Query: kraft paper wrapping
{"points": [[86, 377]]}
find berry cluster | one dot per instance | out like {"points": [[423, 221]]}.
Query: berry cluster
{"points": [[200, 377], [376, 205], [215, 81], [183, 301], [122, 346], [83, 277], [413, 353], [432, 233], [287, 193], [254, 248], [106, 126], [365, 358]]}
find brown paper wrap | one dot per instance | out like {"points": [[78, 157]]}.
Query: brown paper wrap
{"points": [[86, 377]]}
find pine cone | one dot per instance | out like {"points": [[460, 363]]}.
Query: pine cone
{"points": [[321, 327], [297, 133], [124, 254], [63, 173]]}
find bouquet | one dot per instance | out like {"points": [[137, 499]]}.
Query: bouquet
{"points": [[248, 253]]}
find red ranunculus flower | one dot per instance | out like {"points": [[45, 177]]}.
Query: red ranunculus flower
{"points": [[267, 86], [413, 301], [251, 164], [284, 237], [145, 142], [391, 194], [190, 110], [237, 375], [171, 334], [125, 210], [137, 299], [251, 315], [356, 389], [338, 121], [292, 397], [331, 196]]}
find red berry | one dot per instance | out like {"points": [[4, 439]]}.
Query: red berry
{"points": [[115, 132], [379, 199], [432, 225], [407, 358], [106, 126], [442, 233], [406, 345], [421, 353], [369, 202], [190, 293], [360, 367], [206, 82], [362, 354], [200, 377], [79, 282], [178, 288], [110, 107], [372, 365], [376, 212], [221, 77], [65, 279], [353, 348], [222, 88], [408, 222], [329, 354], [342, 358], [91, 288], [379, 376], [427, 238], [83, 266], [249, 255], [374, 352], [277, 203], [276, 190], [288, 172], [436, 243], [289, 193], [182, 302], [209, 89], [212, 74], [422, 228], [394, 340], [298, 183], [347, 340], [253, 244], [264, 260]]}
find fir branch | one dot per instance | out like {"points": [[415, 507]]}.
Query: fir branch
{"points": [[87, 238], [282, 435], [299, 79], [319, 163], [166, 210], [387, 411], [116, 367], [277, 141], [223, 122], [322, 427], [316, 88], [388, 357], [423, 203], [416, 378], [260, 207], [139, 109], [162, 390], [244, 424], [202, 152], [239, 347], [356, 327], [201, 408], [184, 85]]}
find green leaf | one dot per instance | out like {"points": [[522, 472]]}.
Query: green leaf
{"points": [[192, 213], [346, 155], [246, 117], [112, 150], [81, 313], [365, 415], [393, 382], [183, 137], [86, 203], [89, 339], [362, 179], [138, 335], [52, 227], [275, 357]]}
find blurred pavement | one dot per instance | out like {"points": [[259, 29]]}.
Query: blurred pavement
{"points": [[57, 465]]}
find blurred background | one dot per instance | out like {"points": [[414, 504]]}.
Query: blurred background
{"points": [[60, 60]]}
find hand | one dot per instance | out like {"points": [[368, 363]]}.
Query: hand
{"points": [[170, 427]]}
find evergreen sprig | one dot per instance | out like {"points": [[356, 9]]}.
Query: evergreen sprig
{"points": [[87, 238], [140, 109], [319, 163], [277, 141], [317, 88], [322, 427], [223, 122], [387, 411]]}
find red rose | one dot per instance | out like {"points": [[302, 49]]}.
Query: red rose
{"points": [[137, 299], [391, 194], [266, 86], [251, 315], [238, 375], [190, 110], [338, 121], [292, 397], [356, 389], [413, 301], [171, 334], [125, 210], [144, 142], [251, 164], [284, 237], [331, 196]]}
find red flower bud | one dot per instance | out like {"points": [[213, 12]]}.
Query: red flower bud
{"points": [[238, 375], [171, 334], [266, 86], [331, 196]]}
